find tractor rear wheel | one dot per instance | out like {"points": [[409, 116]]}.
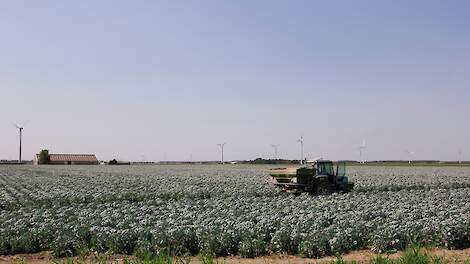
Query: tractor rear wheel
{"points": [[323, 188]]}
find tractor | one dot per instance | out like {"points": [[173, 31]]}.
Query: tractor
{"points": [[319, 178]]}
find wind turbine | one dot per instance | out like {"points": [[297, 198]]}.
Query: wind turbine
{"points": [[301, 141], [460, 156], [222, 145], [275, 146], [20, 130], [410, 156], [362, 150]]}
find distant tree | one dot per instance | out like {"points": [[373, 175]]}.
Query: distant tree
{"points": [[112, 162], [43, 157]]}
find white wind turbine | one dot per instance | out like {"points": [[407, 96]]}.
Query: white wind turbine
{"points": [[20, 131], [275, 146], [410, 156], [362, 150], [301, 141], [222, 145]]}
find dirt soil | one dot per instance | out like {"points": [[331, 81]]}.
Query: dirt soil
{"points": [[363, 256]]}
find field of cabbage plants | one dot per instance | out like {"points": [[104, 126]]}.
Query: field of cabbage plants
{"points": [[226, 210]]}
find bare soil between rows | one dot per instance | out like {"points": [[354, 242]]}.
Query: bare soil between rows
{"points": [[363, 256]]}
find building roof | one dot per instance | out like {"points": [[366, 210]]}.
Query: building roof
{"points": [[73, 157]]}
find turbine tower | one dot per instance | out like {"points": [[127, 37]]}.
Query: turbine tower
{"points": [[301, 141], [20, 130], [460, 156], [275, 146], [222, 145], [362, 150], [410, 156]]}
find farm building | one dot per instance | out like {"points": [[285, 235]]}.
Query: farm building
{"points": [[69, 159], [73, 159]]}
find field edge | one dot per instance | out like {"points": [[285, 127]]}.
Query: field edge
{"points": [[360, 256]]}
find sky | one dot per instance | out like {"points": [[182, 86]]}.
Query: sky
{"points": [[169, 80]]}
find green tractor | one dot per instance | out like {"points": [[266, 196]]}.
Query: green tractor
{"points": [[320, 178]]}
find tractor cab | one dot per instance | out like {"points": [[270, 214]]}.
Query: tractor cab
{"points": [[327, 167], [324, 167], [336, 174]]}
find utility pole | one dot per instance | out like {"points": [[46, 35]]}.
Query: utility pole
{"points": [[301, 141], [275, 146], [222, 151]]}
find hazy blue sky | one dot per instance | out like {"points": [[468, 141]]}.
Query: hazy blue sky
{"points": [[167, 79]]}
